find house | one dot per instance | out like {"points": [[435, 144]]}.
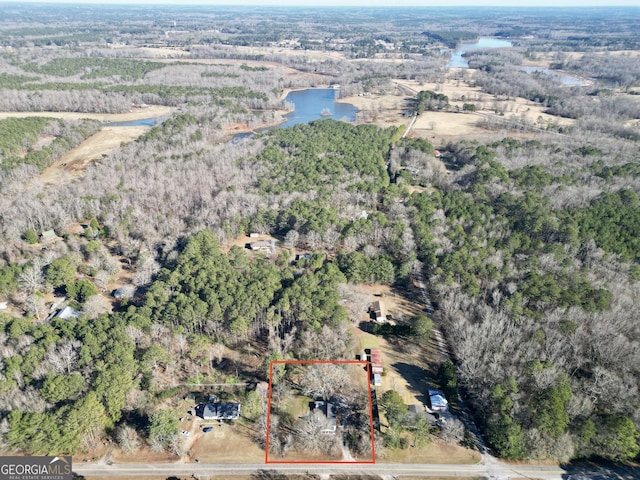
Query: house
{"points": [[124, 292], [254, 235], [265, 246], [3, 305], [329, 411], [303, 256], [438, 401], [218, 411], [67, 313], [417, 411], [375, 311], [48, 236]]}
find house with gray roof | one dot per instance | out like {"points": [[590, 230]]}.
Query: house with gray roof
{"points": [[218, 411]]}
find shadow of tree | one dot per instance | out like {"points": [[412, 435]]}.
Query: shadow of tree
{"points": [[416, 377]]}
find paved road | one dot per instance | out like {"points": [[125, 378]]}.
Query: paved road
{"points": [[495, 471]]}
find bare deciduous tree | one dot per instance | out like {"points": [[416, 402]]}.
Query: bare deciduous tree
{"points": [[452, 430], [95, 306], [324, 380], [127, 438], [311, 434]]}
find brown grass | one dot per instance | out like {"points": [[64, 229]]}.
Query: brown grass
{"points": [[231, 443], [134, 114], [437, 452], [72, 164]]}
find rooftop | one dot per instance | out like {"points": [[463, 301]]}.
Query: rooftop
{"points": [[218, 411]]}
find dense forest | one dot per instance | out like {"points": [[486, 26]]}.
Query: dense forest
{"points": [[527, 239]]}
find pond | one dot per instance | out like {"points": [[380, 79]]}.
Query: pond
{"points": [[562, 77], [483, 42], [317, 103], [141, 122]]}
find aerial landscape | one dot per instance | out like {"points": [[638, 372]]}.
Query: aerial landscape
{"points": [[340, 242]]}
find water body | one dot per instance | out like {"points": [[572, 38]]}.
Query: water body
{"points": [[309, 105], [484, 42], [141, 122], [317, 103], [564, 78]]}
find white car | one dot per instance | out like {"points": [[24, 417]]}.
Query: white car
{"points": [[185, 432]]}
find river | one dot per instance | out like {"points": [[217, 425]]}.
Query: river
{"points": [[457, 61]]}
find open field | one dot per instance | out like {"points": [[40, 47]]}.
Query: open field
{"points": [[72, 164], [387, 109], [437, 452], [223, 444], [152, 111], [545, 59], [454, 126]]}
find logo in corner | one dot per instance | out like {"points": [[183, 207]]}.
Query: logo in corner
{"points": [[36, 468]]}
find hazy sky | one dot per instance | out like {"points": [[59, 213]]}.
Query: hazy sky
{"points": [[366, 3]]}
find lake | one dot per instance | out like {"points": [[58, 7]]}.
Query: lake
{"points": [[309, 104], [317, 103], [457, 61], [564, 78]]}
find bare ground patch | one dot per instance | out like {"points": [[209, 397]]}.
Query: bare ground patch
{"points": [[72, 164]]}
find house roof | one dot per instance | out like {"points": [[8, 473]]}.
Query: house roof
{"points": [[263, 244], [67, 313], [218, 410], [376, 357], [329, 411], [438, 400], [49, 235], [416, 411], [375, 306]]}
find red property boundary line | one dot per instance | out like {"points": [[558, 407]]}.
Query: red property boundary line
{"points": [[311, 362]]}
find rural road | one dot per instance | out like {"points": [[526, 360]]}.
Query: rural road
{"points": [[496, 471]]}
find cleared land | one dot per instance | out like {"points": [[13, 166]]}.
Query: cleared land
{"points": [[135, 114], [72, 164]]}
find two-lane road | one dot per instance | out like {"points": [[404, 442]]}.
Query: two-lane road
{"points": [[497, 470]]}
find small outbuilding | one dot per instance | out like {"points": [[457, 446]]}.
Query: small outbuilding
{"points": [[375, 311]]}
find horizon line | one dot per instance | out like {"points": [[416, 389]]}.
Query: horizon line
{"points": [[257, 3]]}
